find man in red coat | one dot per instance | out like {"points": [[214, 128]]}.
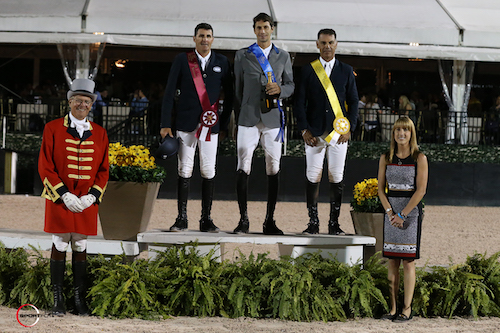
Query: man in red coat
{"points": [[74, 169]]}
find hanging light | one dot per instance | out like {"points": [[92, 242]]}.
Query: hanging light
{"points": [[120, 63]]}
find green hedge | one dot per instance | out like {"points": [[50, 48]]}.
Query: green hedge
{"points": [[30, 144], [181, 282]]}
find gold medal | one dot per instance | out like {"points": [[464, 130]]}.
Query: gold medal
{"points": [[341, 125]]}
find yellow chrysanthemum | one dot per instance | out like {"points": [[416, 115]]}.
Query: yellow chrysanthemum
{"points": [[366, 189], [135, 155]]}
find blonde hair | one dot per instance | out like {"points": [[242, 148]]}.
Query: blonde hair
{"points": [[405, 101], [406, 123]]}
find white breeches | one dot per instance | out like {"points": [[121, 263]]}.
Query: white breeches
{"points": [[335, 155], [207, 151], [78, 241], [247, 140]]}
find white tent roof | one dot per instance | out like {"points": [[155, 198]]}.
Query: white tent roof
{"points": [[449, 29]]}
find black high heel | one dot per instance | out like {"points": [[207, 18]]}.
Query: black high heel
{"points": [[389, 316], [402, 318]]}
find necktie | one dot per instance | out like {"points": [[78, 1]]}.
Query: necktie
{"points": [[327, 69]]}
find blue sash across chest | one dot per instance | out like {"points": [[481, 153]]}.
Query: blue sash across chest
{"points": [[266, 68]]}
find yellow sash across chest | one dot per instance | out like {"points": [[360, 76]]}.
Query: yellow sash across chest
{"points": [[340, 124]]}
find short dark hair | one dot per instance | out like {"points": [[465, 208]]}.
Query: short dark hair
{"points": [[264, 18], [327, 31], [205, 26]]}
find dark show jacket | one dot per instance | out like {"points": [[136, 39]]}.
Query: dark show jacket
{"points": [[188, 109], [312, 107]]}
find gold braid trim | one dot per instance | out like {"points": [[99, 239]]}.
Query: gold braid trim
{"points": [[49, 191]]}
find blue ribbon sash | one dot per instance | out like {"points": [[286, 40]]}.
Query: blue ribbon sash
{"points": [[266, 68]]}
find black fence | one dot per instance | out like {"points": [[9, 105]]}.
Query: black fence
{"points": [[128, 125], [125, 122], [432, 126]]}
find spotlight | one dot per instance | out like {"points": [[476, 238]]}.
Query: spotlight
{"points": [[120, 63]]}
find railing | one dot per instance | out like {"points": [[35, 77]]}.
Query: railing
{"points": [[432, 126], [121, 124], [373, 124]]}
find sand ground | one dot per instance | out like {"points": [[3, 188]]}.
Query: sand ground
{"points": [[449, 235]]}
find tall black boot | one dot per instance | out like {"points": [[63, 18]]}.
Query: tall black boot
{"points": [[312, 192], [181, 222], [57, 269], [80, 284], [207, 195], [270, 227], [335, 203], [242, 193]]}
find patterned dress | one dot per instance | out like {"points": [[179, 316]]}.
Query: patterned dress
{"points": [[402, 243]]}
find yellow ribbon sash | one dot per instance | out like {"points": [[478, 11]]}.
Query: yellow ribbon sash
{"points": [[340, 124]]}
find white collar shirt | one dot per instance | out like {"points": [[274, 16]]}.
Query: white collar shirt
{"points": [[80, 125], [327, 65], [267, 50], [203, 60]]}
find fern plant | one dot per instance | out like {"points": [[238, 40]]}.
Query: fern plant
{"points": [[123, 292], [244, 296], [34, 285], [180, 281], [489, 269], [187, 282], [449, 291], [324, 303], [13, 264], [354, 288]]}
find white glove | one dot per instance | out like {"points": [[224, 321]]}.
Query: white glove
{"points": [[87, 200], [72, 202]]}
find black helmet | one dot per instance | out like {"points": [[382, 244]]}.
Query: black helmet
{"points": [[168, 147]]}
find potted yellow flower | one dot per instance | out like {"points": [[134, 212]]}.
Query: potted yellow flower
{"points": [[367, 211], [131, 192]]}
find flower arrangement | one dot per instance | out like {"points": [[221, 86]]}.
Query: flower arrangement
{"points": [[366, 198], [133, 164]]}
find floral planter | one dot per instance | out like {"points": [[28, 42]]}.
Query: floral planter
{"points": [[126, 208], [370, 224]]}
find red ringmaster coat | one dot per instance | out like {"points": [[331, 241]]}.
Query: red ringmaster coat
{"points": [[80, 166]]}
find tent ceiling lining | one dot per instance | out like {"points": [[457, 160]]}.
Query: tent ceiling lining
{"points": [[364, 27]]}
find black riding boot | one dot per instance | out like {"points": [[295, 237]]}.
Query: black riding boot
{"points": [[181, 222], [335, 203], [242, 193], [312, 192], [80, 284], [207, 195], [57, 269], [270, 227]]}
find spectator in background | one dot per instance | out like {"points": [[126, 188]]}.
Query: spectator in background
{"points": [[474, 109], [139, 104], [407, 108], [97, 107], [359, 131], [137, 110], [371, 117], [491, 127]]}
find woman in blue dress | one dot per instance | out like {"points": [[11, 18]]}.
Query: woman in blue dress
{"points": [[402, 179]]}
